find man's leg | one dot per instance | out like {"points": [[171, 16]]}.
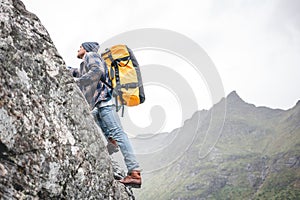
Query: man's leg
{"points": [[114, 130], [112, 146], [111, 121]]}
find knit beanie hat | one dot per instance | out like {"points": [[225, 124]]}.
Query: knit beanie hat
{"points": [[91, 46]]}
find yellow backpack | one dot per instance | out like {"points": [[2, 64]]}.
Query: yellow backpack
{"points": [[125, 75]]}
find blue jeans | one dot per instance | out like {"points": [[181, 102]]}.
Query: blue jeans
{"points": [[109, 122]]}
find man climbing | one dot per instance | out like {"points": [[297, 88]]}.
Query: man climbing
{"points": [[99, 97]]}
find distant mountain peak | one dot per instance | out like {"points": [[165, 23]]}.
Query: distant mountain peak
{"points": [[233, 94], [234, 97], [298, 103]]}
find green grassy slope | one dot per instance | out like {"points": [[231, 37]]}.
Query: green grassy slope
{"points": [[257, 156]]}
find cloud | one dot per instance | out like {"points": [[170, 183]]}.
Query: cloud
{"points": [[254, 44], [287, 12]]}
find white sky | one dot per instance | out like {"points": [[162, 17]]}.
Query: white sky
{"points": [[254, 44]]}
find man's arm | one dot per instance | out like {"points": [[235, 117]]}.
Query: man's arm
{"points": [[95, 70]]}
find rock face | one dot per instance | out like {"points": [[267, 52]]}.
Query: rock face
{"points": [[50, 146]]}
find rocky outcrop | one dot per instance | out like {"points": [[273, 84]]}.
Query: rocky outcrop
{"points": [[50, 146]]}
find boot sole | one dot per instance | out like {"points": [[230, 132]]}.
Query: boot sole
{"points": [[132, 185]]}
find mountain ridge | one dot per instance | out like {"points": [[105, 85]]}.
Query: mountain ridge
{"points": [[255, 156]]}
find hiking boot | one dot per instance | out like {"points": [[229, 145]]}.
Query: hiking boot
{"points": [[134, 179], [112, 146]]}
